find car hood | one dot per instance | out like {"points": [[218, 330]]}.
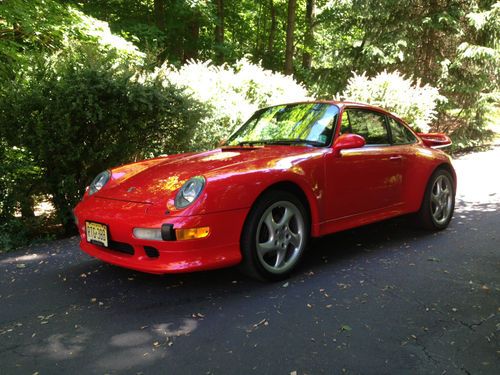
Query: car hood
{"points": [[156, 180]]}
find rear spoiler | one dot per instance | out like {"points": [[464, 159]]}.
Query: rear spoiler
{"points": [[435, 140]]}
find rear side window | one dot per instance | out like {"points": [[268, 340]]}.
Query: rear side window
{"points": [[400, 134], [370, 125]]}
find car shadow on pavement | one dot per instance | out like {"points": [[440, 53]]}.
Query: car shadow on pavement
{"points": [[382, 238], [322, 254]]}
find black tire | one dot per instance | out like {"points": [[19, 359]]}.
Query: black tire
{"points": [[429, 216], [284, 244]]}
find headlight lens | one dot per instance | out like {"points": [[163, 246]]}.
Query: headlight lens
{"points": [[189, 192], [99, 181]]}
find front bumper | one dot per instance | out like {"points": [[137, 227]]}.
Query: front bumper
{"points": [[220, 249]]}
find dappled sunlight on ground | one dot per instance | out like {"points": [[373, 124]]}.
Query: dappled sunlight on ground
{"points": [[61, 346], [131, 349], [465, 206], [23, 259], [135, 348]]}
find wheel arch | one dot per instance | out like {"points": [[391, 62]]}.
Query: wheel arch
{"points": [[306, 198], [425, 218], [447, 167], [444, 166]]}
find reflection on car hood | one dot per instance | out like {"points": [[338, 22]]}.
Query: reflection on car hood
{"points": [[156, 180]]}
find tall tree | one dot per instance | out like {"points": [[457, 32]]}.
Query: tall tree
{"points": [[192, 38], [219, 32], [309, 34], [290, 29], [159, 12], [272, 30]]}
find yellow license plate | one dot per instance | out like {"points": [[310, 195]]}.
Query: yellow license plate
{"points": [[97, 233]]}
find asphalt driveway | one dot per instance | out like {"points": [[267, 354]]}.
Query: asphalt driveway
{"points": [[382, 299]]}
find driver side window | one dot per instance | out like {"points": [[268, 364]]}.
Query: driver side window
{"points": [[370, 125]]}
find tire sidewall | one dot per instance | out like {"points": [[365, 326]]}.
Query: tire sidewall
{"points": [[251, 263], [426, 216]]}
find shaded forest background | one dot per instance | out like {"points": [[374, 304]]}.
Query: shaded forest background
{"points": [[89, 84]]}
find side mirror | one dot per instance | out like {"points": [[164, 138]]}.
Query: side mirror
{"points": [[348, 141], [435, 140]]}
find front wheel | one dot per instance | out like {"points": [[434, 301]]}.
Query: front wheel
{"points": [[439, 201], [275, 236]]}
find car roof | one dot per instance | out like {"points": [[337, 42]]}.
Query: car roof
{"points": [[339, 104], [343, 104]]}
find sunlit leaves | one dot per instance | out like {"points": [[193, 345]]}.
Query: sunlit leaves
{"points": [[412, 101], [231, 93], [33, 27]]}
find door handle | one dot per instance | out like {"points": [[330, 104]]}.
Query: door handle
{"points": [[396, 158]]}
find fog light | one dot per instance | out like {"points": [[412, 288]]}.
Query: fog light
{"points": [[190, 234], [147, 234]]}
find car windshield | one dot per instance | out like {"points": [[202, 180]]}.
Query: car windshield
{"points": [[289, 124]]}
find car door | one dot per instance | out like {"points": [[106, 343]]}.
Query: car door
{"points": [[402, 141], [366, 179]]}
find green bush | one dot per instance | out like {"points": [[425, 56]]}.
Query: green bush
{"points": [[414, 103], [20, 179], [13, 233], [81, 112]]}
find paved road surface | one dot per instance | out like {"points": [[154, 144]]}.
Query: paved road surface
{"points": [[383, 299]]}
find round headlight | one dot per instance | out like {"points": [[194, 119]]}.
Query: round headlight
{"points": [[99, 181], [189, 192]]}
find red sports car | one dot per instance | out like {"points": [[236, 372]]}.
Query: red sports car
{"points": [[292, 171]]}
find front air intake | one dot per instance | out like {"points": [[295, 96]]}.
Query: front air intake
{"points": [[151, 251]]}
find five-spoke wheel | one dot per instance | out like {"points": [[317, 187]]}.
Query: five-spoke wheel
{"points": [[275, 235], [439, 201]]}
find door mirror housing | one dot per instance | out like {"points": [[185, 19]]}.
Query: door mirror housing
{"points": [[348, 141]]}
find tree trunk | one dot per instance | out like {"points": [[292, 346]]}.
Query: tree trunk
{"points": [[192, 40], [27, 207], [309, 34], [431, 45], [290, 28], [260, 31], [272, 31], [219, 32], [159, 12], [64, 213]]}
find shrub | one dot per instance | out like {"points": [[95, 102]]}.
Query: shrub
{"points": [[414, 103], [231, 94], [81, 112], [20, 179], [13, 233]]}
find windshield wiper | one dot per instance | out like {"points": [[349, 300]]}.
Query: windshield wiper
{"points": [[282, 142], [294, 142], [250, 143]]}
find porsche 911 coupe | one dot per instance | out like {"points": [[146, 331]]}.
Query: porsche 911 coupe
{"points": [[291, 172]]}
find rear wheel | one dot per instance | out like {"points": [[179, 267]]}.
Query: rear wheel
{"points": [[439, 201], [275, 236]]}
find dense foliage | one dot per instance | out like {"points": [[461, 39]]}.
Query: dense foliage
{"points": [[81, 112], [450, 45], [29, 28], [88, 84]]}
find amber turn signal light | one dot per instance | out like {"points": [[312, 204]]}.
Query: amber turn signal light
{"points": [[191, 234]]}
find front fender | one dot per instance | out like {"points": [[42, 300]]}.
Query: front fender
{"points": [[233, 190]]}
